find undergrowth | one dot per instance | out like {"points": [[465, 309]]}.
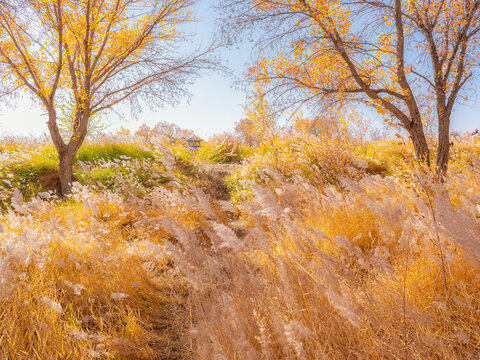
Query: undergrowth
{"points": [[327, 249]]}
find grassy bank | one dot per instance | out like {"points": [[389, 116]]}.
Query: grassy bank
{"points": [[321, 249]]}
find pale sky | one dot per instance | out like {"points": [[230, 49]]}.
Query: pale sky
{"points": [[215, 103]]}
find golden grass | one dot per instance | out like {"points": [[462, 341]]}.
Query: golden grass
{"points": [[319, 259], [90, 296]]}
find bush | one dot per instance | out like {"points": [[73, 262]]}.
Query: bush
{"points": [[223, 149]]}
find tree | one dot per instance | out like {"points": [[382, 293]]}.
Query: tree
{"points": [[260, 121], [409, 59], [173, 133], [316, 126], [100, 53], [244, 131]]}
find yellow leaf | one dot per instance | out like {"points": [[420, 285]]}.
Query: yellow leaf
{"points": [[380, 110]]}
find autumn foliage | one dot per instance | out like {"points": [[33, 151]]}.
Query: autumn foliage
{"points": [[409, 60]]}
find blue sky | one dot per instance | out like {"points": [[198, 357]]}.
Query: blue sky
{"points": [[215, 104]]}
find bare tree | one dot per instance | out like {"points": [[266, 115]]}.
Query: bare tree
{"points": [[409, 59], [100, 52]]}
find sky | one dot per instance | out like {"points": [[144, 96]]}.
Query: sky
{"points": [[216, 100]]}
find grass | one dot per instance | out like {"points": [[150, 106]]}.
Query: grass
{"points": [[105, 151], [341, 270], [42, 160], [322, 256], [218, 154], [224, 150], [88, 300], [23, 170], [108, 178]]}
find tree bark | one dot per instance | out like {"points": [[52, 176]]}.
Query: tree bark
{"points": [[67, 152], [420, 144], [67, 156], [443, 150], [66, 170]]}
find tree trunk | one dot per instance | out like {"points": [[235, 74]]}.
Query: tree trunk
{"points": [[67, 152], [420, 143], [443, 146], [66, 170], [67, 155]]}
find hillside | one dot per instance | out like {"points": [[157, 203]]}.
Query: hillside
{"points": [[306, 247]]}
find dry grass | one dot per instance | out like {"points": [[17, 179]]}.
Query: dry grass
{"points": [[313, 258], [75, 286]]}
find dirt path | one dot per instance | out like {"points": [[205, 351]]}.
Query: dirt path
{"points": [[217, 175]]}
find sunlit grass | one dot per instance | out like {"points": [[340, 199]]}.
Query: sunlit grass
{"points": [[223, 150], [105, 151], [326, 250]]}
